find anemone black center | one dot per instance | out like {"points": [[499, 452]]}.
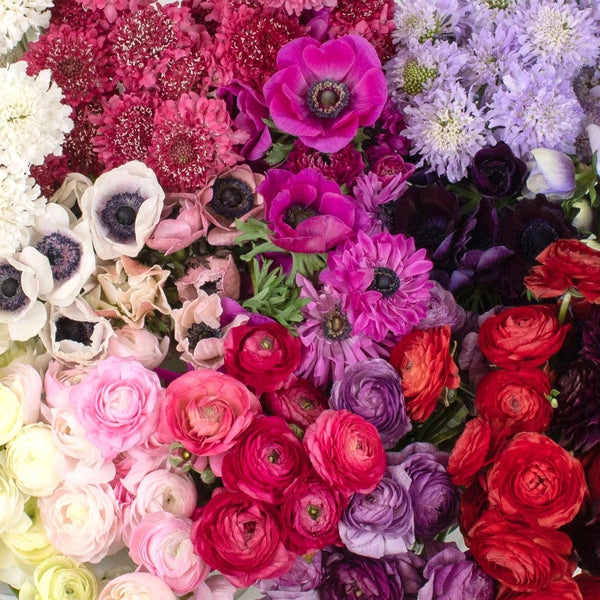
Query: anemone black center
{"points": [[201, 331], [210, 287], [385, 281], [232, 198], [77, 331], [63, 254], [297, 213], [327, 98], [336, 325], [119, 215], [535, 237], [12, 296]]}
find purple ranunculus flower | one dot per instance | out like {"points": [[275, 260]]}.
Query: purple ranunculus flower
{"points": [[497, 173], [435, 500], [373, 390], [323, 93], [410, 567], [380, 523], [348, 576], [443, 310], [450, 574], [299, 583], [306, 211]]}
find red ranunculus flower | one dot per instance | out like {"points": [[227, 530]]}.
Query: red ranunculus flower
{"points": [[524, 558], [564, 588], [566, 265], [516, 399], [536, 480], [423, 360], [523, 337], [241, 537], [266, 461], [473, 503], [346, 451], [262, 356]]}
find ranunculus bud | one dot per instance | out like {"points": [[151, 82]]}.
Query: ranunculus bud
{"points": [[497, 173]]}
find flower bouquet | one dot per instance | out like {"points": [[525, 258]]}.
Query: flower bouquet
{"points": [[302, 295]]}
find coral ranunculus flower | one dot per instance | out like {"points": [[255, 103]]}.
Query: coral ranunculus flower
{"points": [[566, 265], [324, 93]]}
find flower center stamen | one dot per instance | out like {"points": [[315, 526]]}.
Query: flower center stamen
{"points": [[77, 331], [336, 326], [232, 198], [298, 213], [416, 76], [63, 254], [201, 331], [535, 237], [12, 296], [328, 98], [385, 281], [119, 215]]}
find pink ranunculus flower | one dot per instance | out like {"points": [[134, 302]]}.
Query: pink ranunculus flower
{"points": [[83, 522], [118, 404], [206, 411], [141, 586], [323, 93], [139, 344], [215, 587], [161, 543]]}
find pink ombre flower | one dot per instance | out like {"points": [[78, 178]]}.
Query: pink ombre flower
{"points": [[384, 281], [212, 275], [118, 404], [144, 586], [324, 93], [161, 543], [192, 142]]}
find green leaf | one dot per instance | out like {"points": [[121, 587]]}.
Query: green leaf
{"points": [[359, 139], [279, 152]]}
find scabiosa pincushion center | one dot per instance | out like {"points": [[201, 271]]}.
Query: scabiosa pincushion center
{"points": [[323, 93]]}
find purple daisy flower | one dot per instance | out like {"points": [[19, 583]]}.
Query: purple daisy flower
{"points": [[328, 339], [385, 282]]}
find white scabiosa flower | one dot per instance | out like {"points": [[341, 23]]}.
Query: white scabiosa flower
{"points": [[18, 16], [20, 203], [33, 121], [446, 129], [421, 20]]}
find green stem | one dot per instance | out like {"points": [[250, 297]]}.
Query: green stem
{"points": [[564, 307]]}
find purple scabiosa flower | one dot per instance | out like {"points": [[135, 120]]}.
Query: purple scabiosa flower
{"points": [[576, 420], [591, 336], [351, 577], [450, 574], [373, 390], [536, 109], [560, 33], [307, 211], [442, 309], [380, 523], [323, 93], [385, 281], [447, 129], [329, 341], [434, 498], [375, 198], [299, 583]]}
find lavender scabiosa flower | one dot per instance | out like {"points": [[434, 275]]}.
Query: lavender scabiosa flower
{"points": [[380, 523], [330, 343], [447, 129], [560, 33], [384, 281], [536, 109], [373, 390]]}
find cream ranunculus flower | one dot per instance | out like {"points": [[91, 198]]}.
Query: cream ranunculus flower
{"points": [[13, 517], [11, 414], [58, 578], [32, 459]]}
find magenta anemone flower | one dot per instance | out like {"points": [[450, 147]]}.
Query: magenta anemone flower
{"points": [[323, 93]]}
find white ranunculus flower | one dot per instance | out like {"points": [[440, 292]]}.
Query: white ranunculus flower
{"points": [[122, 209], [141, 586], [12, 502]]}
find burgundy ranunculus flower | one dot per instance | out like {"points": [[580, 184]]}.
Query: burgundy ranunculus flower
{"points": [[307, 211], [323, 93]]}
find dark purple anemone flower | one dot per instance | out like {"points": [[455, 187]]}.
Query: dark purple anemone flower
{"points": [[497, 173], [322, 93]]}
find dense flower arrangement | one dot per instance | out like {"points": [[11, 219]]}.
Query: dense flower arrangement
{"points": [[291, 291]]}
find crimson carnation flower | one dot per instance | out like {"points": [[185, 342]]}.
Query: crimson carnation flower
{"points": [[192, 142], [385, 281], [125, 128], [346, 451], [78, 60]]}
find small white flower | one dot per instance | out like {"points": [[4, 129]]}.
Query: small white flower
{"points": [[421, 20], [33, 121], [18, 16]]}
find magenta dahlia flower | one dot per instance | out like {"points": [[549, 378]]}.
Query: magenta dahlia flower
{"points": [[385, 283], [323, 93]]}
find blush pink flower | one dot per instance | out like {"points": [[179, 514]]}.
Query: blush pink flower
{"points": [[161, 543], [210, 274], [144, 586], [324, 93], [206, 411], [118, 404]]}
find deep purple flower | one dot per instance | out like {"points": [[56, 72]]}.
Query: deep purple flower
{"points": [[306, 211], [387, 139], [322, 93], [380, 523], [351, 577], [252, 110], [585, 533], [385, 280], [497, 173], [373, 390], [434, 498], [442, 309], [450, 574], [299, 583], [591, 336], [410, 567]]}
